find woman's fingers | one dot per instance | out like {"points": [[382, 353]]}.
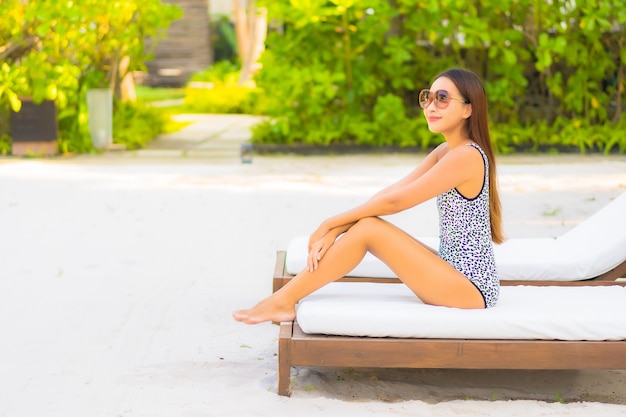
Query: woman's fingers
{"points": [[315, 255], [309, 262], [321, 252], [315, 261], [310, 265], [317, 250]]}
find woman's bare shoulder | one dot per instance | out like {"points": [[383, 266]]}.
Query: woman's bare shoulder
{"points": [[440, 151], [465, 158]]}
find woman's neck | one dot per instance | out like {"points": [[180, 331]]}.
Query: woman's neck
{"points": [[457, 139]]}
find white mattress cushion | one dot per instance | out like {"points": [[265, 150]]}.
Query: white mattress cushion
{"points": [[590, 249], [523, 312]]}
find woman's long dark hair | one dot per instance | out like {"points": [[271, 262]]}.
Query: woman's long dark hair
{"points": [[477, 128]]}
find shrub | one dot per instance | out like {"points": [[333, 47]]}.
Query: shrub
{"points": [[562, 136], [134, 125], [350, 72], [217, 90]]}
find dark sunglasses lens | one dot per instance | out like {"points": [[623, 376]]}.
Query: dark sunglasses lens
{"points": [[424, 98], [441, 96]]}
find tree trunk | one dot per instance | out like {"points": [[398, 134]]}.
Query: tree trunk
{"points": [[241, 29], [127, 82], [251, 30]]}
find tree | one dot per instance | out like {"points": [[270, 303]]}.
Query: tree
{"points": [[57, 49]]}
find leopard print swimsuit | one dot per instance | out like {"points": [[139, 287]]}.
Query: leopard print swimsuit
{"points": [[465, 237]]}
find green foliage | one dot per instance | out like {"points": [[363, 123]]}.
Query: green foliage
{"points": [[147, 94], [389, 113], [342, 71], [217, 90], [224, 39], [563, 135], [57, 49], [218, 99], [5, 139], [134, 125], [222, 72]]}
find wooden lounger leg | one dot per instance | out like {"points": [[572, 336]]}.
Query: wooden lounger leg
{"points": [[284, 359], [280, 273]]}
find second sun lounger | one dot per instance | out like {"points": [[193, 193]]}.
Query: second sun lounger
{"points": [[593, 251]]}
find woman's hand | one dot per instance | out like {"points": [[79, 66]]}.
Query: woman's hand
{"points": [[318, 234], [317, 250], [321, 240]]}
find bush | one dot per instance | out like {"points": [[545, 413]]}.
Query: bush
{"points": [[135, 125], [350, 72], [217, 90], [561, 136], [147, 94], [219, 99]]}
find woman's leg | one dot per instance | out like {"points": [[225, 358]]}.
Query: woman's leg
{"points": [[432, 279]]}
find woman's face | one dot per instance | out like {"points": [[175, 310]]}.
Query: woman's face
{"points": [[451, 118]]}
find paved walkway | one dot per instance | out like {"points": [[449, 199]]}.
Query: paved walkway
{"points": [[209, 135]]}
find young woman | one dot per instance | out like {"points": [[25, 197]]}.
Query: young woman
{"points": [[461, 174]]}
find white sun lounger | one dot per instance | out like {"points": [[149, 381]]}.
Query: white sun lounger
{"points": [[570, 314], [385, 325], [593, 250]]}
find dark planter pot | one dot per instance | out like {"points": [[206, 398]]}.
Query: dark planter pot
{"points": [[34, 129]]}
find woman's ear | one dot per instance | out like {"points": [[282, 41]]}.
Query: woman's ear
{"points": [[468, 111]]}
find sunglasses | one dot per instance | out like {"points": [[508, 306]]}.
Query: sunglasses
{"points": [[440, 97]]}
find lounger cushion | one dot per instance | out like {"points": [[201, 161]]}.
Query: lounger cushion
{"points": [[590, 249], [523, 312]]}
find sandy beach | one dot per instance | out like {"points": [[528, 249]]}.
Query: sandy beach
{"points": [[119, 275]]}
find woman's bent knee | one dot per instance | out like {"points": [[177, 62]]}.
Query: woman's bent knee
{"points": [[367, 227], [369, 223]]}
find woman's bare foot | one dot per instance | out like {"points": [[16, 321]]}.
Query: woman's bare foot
{"points": [[267, 310]]}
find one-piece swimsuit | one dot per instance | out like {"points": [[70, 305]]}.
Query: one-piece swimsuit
{"points": [[465, 236]]}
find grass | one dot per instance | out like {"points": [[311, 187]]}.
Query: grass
{"points": [[559, 398], [151, 94], [551, 213]]}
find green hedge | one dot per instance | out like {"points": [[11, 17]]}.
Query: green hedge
{"points": [[349, 72]]}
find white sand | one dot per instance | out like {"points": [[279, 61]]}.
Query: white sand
{"points": [[118, 276]]}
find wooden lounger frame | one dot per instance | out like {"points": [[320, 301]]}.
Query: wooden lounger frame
{"points": [[296, 348], [281, 277]]}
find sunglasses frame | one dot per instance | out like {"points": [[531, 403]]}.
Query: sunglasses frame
{"points": [[434, 96]]}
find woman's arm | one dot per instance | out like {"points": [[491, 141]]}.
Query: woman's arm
{"points": [[428, 162], [451, 170], [438, 173]]}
